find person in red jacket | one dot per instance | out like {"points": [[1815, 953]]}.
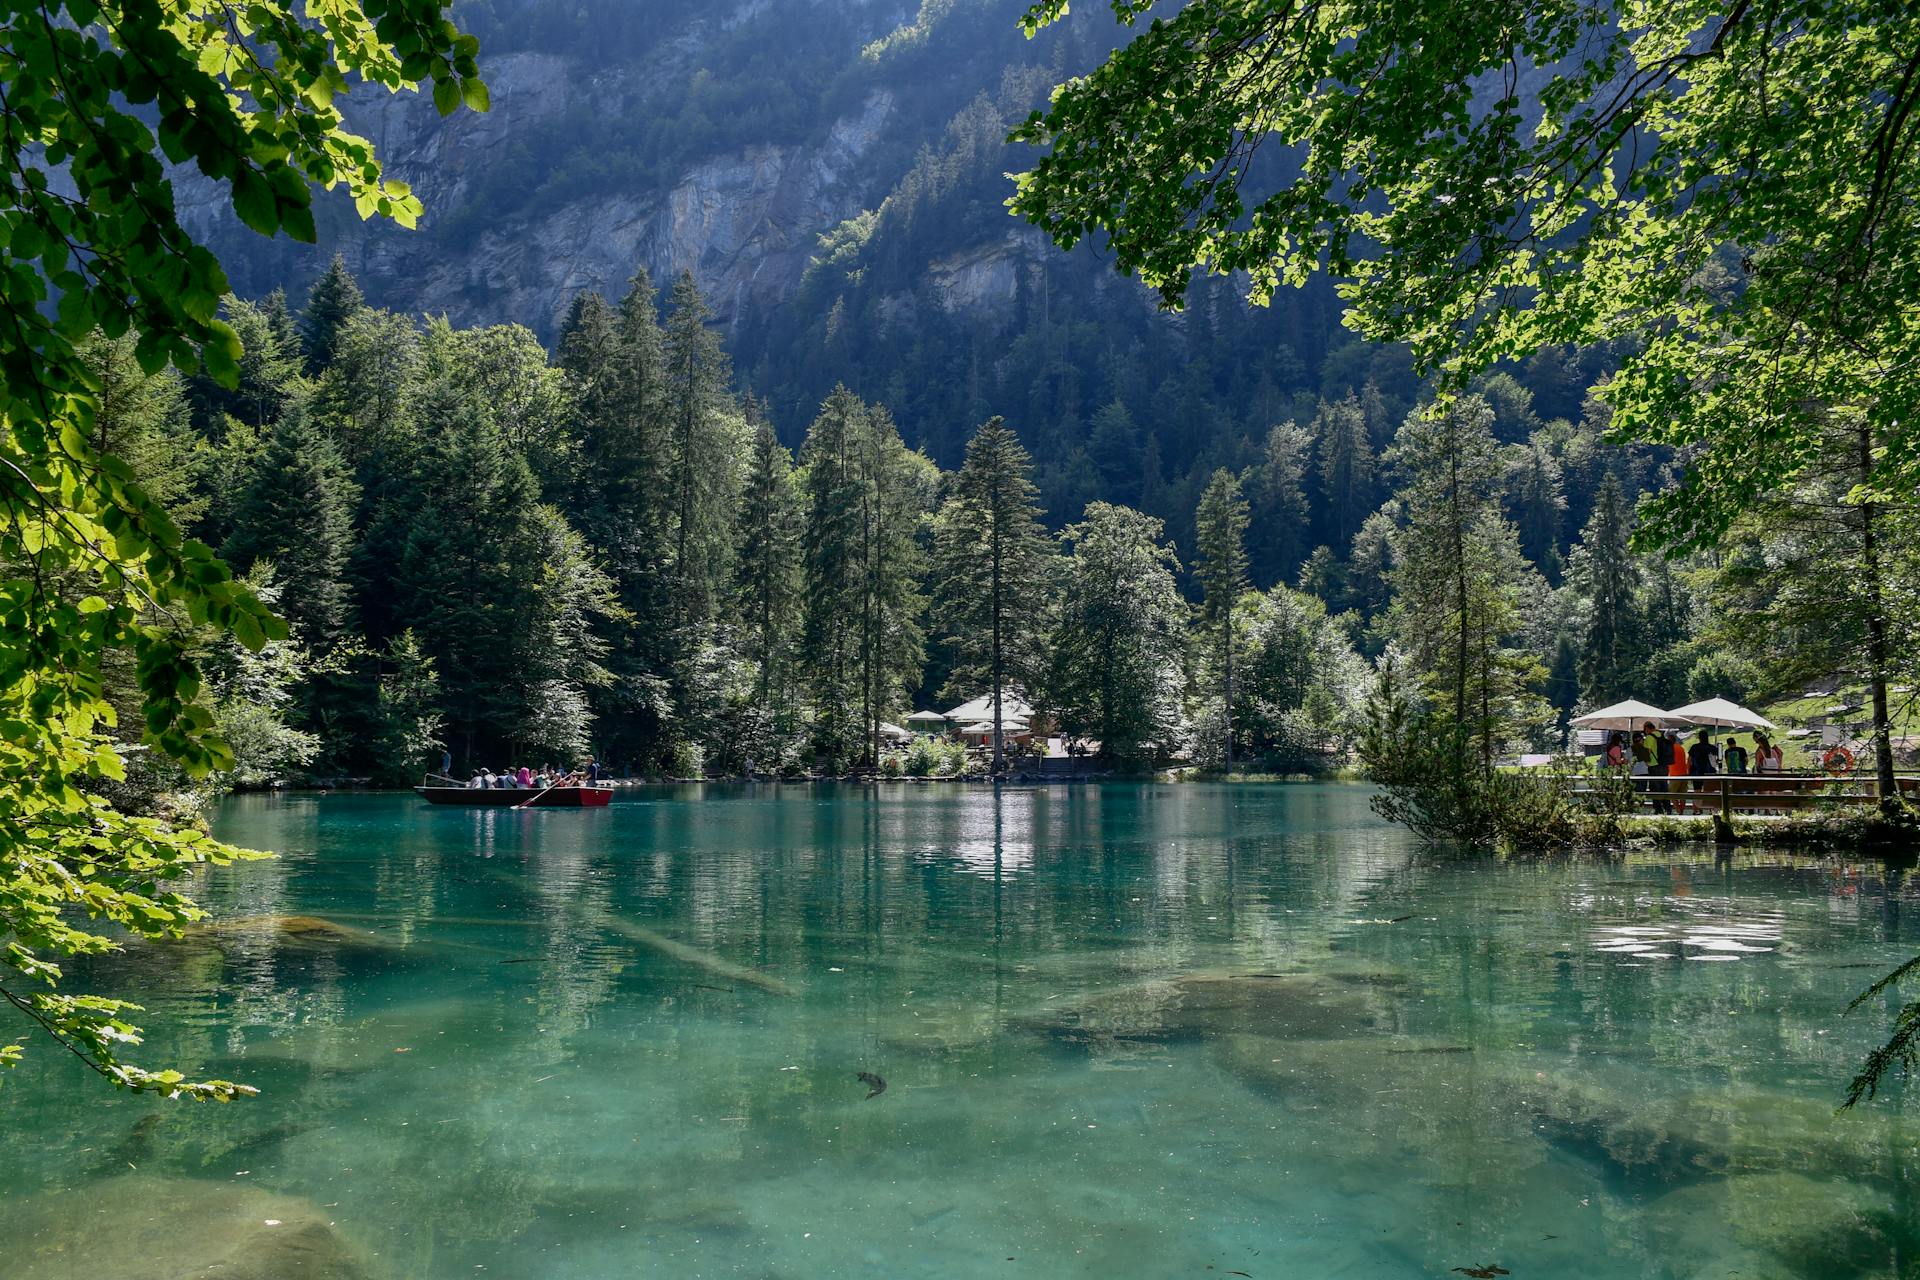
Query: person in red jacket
{"points": [[1677, 767]]}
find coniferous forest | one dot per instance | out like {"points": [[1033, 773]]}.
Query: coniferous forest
{"points": [[498, 551]]}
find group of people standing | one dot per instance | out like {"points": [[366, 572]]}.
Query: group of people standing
{"points": [[1654, 753], [527, 778]]}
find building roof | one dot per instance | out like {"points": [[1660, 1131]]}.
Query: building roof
{"points": [[1012, 707]]}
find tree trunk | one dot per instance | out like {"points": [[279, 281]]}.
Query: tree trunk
{"points": [[999, 750], [1228, 692], [1876, 637]]}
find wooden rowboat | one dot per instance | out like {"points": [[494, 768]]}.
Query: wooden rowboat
{"points": [[508, 797]]}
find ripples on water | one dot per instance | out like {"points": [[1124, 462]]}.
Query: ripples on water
{"points": [[1124, 1031]]}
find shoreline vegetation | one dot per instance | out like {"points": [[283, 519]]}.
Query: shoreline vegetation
{"points": [[1835, 832]]}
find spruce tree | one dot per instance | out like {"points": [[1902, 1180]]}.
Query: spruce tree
{"points": [[1220, 527], [1602, 569], [699, 453], [767, 577], [334, 300], [1278, 499], [897, 488], [459, 584], [1540, 503], [1346, 468], [1456, 585], [831, 551], [990, 557], [613, 362], [297, 513]]}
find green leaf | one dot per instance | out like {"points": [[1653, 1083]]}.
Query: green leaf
{"points": [[254, 201]]}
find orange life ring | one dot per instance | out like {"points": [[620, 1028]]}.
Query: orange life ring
{"points": [[1838, 760]]}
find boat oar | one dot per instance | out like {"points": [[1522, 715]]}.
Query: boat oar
{"points": [[528, 802]]}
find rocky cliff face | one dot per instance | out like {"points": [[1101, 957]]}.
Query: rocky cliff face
{"points": [[745, 218], [746, 222]]}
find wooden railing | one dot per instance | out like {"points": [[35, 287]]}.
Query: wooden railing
{"points": [[1776, 793]]}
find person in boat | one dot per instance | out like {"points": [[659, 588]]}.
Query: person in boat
{"points": [[526, 776], [593, 772], [477, 781]]}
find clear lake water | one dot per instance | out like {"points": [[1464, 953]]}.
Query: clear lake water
{"points": [[1124, 1030]]}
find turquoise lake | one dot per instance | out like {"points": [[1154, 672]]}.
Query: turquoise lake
{"points": [[1124, 1031]]}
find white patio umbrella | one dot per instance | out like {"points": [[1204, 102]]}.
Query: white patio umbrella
{"points": [[1718, 713], [1630, 714]]}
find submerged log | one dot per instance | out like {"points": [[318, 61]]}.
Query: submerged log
{"points": [[705, 960]]}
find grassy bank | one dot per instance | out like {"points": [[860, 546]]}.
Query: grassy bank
{"points": [[1861, 832]]}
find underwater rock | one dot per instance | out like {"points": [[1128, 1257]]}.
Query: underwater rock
{"points": [[1780, 1226], [145, 1228], [1200, 1006], [1335, 1071], [1676, 1136], [939, 1031]]}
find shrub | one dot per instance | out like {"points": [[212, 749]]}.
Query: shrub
{"points": [[922, 758]]}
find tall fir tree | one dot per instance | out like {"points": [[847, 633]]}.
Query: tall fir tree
{"points": [[614, 363], [1220, 538], [1457, 582], [990, 556], [459, 584], [897, 488], [334, 300], [767, 573], [297, 513], [1346, 468], [829, 643], [1539, 503], [1277, 497], [1602, 569], [699, 453]]}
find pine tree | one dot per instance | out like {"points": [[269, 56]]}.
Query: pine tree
{"points": [[1346, 468], [407, 720], [1540, 503], [699, 453], [334, 300], [831, 557], [270, 368], [459, 583], [1456, 606], [1602, 569], [989, 561], [767, 574], [615, 367], [297, 513], [1220, 527], [897, 488], [1277, 495]]}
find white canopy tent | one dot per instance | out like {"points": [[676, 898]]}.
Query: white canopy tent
{"points": [[1630, 714], [1719, 713]]}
